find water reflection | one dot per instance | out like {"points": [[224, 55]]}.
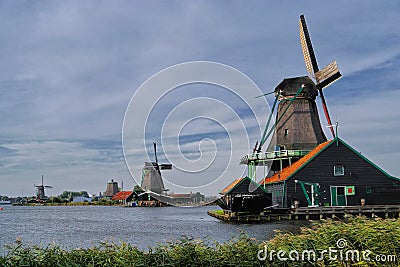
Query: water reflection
{"points": [[84, 226]]}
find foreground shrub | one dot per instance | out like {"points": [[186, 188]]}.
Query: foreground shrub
{"points": [[239, 251], [381, 237], [378, 238]]}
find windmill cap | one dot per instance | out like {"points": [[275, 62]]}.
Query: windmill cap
{"points": [[290, 86]]}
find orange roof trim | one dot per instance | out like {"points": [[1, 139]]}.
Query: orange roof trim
{"points": [[289, 170], [230, 186]]}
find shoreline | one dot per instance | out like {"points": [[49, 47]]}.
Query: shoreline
{"points": [[68, 204]]}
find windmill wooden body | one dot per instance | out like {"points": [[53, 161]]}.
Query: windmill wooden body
{"points": [[151, 175], [40, 194], [299, 127]]}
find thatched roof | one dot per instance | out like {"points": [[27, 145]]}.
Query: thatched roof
{"points": [[289, 87]]}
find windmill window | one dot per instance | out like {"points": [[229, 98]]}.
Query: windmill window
{"points": [[368, 190], [286, 132], [338, 170], [279, 192]]}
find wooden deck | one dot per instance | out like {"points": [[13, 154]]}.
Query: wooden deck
{"points": [[309, 213]]}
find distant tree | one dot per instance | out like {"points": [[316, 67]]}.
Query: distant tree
{"points": [[103, 200], [69, 195], [54, 199], [138, 189], [20, 200], [64, 194], [4, 198]]}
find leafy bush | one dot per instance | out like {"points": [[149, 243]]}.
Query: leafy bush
{"points": [[377, 235], [380, 236]]}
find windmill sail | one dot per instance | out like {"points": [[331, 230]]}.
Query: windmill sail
{"points": [[166, 166], [327, 75], [306, 47], [324, 77]]}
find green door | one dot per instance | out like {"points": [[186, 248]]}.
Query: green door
{"points": [[338, 196], [333, 196]]}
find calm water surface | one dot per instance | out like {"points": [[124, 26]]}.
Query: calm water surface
{"points": [[84, 226]]}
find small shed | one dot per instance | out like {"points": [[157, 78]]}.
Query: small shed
{"points": [[151, 199], [244, 194], [333, 174]]}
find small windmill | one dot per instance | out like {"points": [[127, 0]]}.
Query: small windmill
{"points": [[40, 190], [151, 176], [323, 77]]}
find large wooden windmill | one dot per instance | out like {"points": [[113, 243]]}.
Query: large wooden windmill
{"points": [[297, 128], [40, 190], [151, 175]]}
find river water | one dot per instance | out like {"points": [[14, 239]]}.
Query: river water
{"points": [[84, 226]]}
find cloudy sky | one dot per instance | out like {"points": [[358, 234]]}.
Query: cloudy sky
{"points": [[70, 68]]}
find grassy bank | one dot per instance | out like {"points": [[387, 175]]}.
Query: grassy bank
{"points": [[380, 237]]}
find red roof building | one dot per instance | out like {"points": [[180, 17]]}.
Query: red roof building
{"points": [[125, 196]]}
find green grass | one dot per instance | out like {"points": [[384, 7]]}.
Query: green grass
{"points": [[380, 236], [220, 212], [185, 252], [377, 235]]}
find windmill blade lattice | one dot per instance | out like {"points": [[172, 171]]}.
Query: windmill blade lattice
{"points": [[323, 77], [306, 47]]}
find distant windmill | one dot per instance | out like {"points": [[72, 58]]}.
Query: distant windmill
{"points": [[151, 176], [40, 190], [323, 77]]}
